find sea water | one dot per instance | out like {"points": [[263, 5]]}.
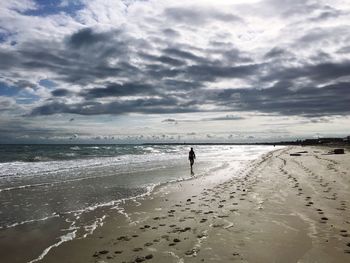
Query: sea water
{"points": [[39, 183]]}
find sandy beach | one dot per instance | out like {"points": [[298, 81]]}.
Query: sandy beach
{"points": [[280, 208]]}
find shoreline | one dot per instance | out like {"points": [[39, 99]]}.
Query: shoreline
{"points": [[279, 208], [156, 203], [40, 233]]}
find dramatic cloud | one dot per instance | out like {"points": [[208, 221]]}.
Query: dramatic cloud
{"points": [[130, 59], [198, 16]]}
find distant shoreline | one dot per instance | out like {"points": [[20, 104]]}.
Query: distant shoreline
{"points": [[341, 142]]}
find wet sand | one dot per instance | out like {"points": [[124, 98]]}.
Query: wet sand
{"points": [[281, 208]]}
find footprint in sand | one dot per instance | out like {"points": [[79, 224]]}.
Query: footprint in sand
{"points": [[344, 233], [124, 238], [341, 208], [166, 237], [97, 254], [324, 219]]}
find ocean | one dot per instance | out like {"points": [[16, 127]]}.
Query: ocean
{"points": [[64, 184]]}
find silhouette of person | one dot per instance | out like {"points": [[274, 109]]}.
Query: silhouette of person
{"points": [[191, 157]]}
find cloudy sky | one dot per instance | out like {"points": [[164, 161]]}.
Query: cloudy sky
{"points": [[158, 70]]}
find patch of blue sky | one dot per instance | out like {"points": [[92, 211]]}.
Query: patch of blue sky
{"points": [[3, 35], [21, 96], [51, 7], [6, 37], [26, 98], [47, 83], [8, 91]]}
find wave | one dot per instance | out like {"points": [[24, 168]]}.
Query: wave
{"points": [[75, 148], [148, 189], [29, 221], [20, 168], [38, 159], [64, 238]]}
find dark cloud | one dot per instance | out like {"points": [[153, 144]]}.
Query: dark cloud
{"points": [[313, 35], [275, 52], [153, 105], [328, 71], [170, 121], [225, 118], [344, 50], [307, 101], [163, 59], [236, 56], [24, 84], [326, 15], [287, 8], [319, 73], [118, 90], [173, 85], [8, 59], [169, 32], [197, 16], [61, 92], [212, 72], [81, 59], [287, 96], [20, 130], [6, 104], [182, 54], [87, 37], [221, 118], [173, 78]]}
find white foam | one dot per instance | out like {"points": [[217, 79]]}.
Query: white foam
{"points": [[91, 228], [151, 155], [67, 237], [29, 221], [179, 260], [75, 148]]}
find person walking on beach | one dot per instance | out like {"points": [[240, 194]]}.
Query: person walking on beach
{"points": [[191, 157]]}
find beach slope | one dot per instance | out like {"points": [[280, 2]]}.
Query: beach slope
{"points": [[280, 208]]}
